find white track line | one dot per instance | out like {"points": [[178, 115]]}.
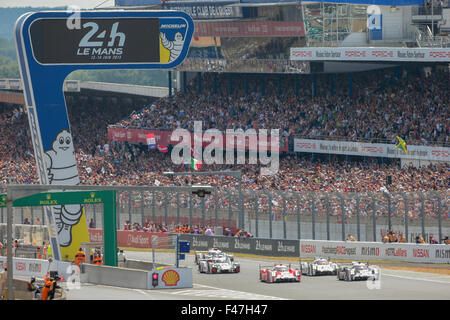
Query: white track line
{"points": [[413, 278], [224, 293]]}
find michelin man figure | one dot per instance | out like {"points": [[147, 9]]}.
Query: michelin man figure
{"points": [[62, 170], [174, 46]]}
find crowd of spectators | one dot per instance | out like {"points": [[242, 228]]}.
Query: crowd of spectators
{"points": [[385, 104], [410, 106]]}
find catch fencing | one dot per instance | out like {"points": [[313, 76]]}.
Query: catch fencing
{"points": [[273, 214]]}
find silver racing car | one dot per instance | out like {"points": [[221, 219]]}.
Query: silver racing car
{"points": [[320, 266], [358, 271], [210, 254], [221, 264]]}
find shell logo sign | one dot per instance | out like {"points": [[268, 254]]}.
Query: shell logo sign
{"points": [[170, 278]]}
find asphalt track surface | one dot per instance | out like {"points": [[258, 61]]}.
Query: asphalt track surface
{"points": [[393, 285]]}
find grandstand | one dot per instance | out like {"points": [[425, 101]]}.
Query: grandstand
{"points": [[239, 74]]}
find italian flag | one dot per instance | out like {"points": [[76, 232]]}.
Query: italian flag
{"points": [[195, 164]]}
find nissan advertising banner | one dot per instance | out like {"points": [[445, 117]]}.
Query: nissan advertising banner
{"points": [[363, 251]]}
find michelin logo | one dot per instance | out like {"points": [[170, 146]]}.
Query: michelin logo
{"points": [[175, 46], [62, 170]]}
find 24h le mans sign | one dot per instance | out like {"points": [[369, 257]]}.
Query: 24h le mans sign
{"points": [[50, 46]]}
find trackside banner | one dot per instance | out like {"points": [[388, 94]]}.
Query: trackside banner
{"points": [[165, 138], [428, 253], [266, 247], [371, 54], [371, 149]]}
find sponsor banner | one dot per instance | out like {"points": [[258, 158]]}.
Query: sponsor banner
{"points": [[4, 84], [206, 11], [15, 84], [27, 267], [266, 247], [375, 2], [130, 3], [371, 54], [250, 29], [362, 251], [132, 239], [165, 138], [372, 149], [15, 98]]}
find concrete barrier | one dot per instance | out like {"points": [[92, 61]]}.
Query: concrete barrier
{"points": [[141, 265], [113, 276], [168, 277]]}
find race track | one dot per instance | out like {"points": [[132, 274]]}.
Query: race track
{"points": [[393, 285]]}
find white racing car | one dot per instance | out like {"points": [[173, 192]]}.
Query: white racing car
{"points": [[210, 254], [279, 273], [358, 271], [320, 266], [221, 264]]}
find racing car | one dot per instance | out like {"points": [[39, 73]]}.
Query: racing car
{"points": [[279, 273], [358, 271], [211, 253], [320, 266], [222, 264]]}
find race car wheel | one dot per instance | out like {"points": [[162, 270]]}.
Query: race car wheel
{"points": [[213, 270], [238, 269]]}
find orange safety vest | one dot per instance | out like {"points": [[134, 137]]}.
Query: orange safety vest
{"points": [[48, 285], [80, 256], [38, 251], [98, 261]]}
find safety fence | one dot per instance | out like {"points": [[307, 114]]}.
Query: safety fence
{"points": [[274, 214]]}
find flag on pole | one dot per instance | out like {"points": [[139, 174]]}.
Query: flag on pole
{"points": [[151, 142], [110, 166], [195, 164], [401, 144]]}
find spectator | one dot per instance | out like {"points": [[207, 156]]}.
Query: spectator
{"points": [[433, 239], [401, 238], [209, 232], [420, 240]]}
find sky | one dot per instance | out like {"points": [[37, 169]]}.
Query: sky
{"points": [[84, 4]]}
